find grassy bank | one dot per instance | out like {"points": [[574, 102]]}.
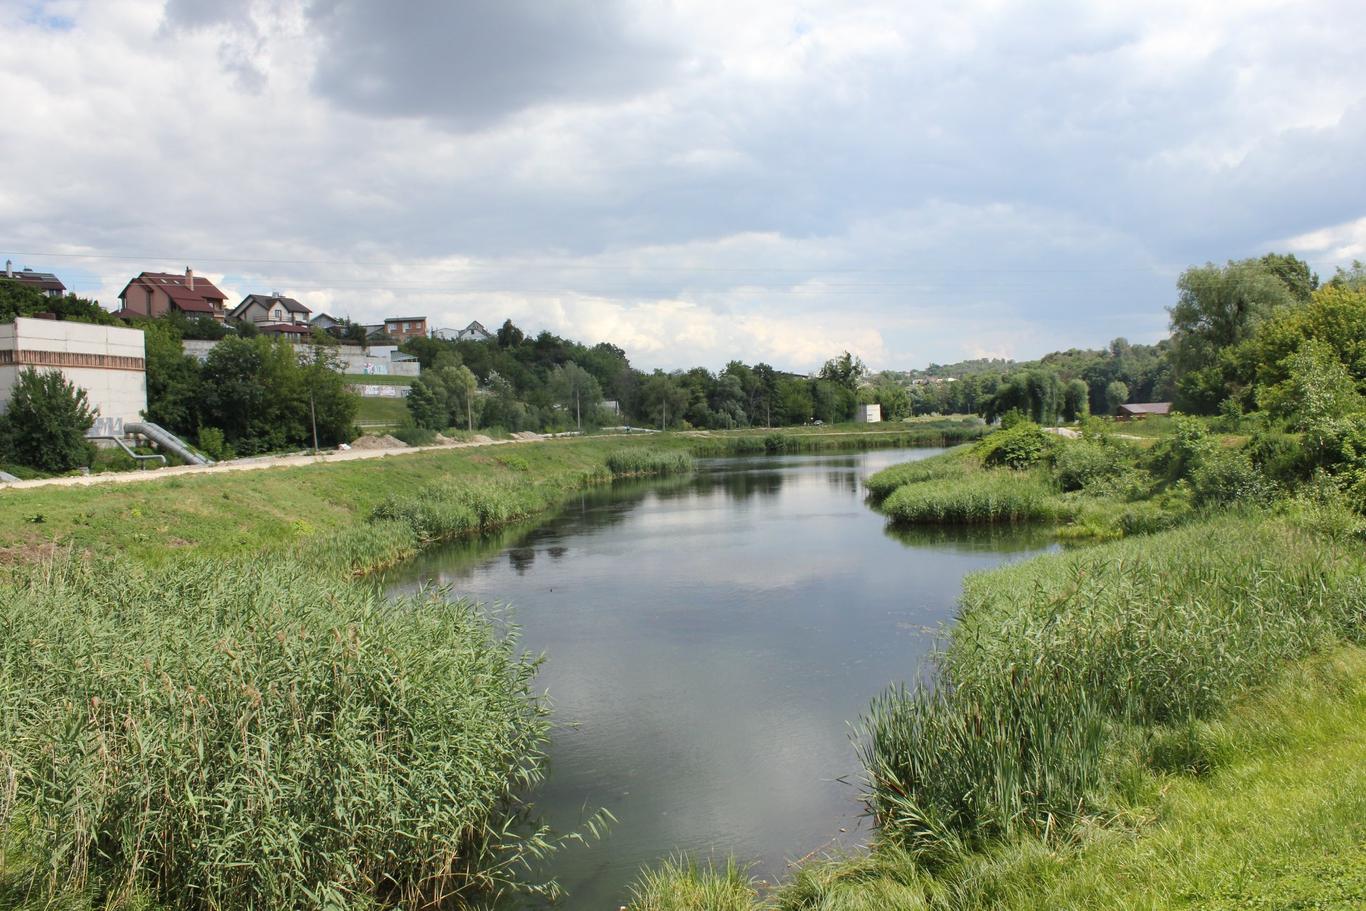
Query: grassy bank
{"points": [[250, 735], [1134, 725]]}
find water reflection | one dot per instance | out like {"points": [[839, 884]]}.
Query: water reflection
{"points": [[709, 639]]}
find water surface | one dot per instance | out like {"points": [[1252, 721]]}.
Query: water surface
{"points": [[709, 640]]}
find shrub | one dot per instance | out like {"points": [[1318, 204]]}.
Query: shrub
{"points": [[1227, 477], [1018, 447], [1083, 463], [514, 463], [248, 736], [212, 444], [45, 424]]}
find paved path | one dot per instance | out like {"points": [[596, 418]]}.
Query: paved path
{"points": [[255, 464]]}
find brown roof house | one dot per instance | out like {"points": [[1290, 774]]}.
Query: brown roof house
{"points": [[274, 314], [1139, 410], [158, 293], [45, 282]]}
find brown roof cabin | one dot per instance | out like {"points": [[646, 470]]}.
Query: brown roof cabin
{"points": [[1136, 411]]}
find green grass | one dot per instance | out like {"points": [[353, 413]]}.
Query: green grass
{"points": [[387, 412], [978, 498], [950, 465], [638, 462], [680, 885], [1278, 820], [245, 734]]}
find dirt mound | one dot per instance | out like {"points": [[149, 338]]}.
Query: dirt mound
{"points": [[480, 438], [379, 441]]}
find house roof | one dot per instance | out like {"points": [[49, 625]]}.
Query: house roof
{"points": [[200, 299], [294, 328], [403, 319], [269, 301], [1147, 408], [325, 316], [44, 281]]}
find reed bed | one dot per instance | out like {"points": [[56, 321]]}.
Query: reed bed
{"points": [[627, 463], [682, 885], [1054, 659], [977, 498], [234, 736], [948, 466]]}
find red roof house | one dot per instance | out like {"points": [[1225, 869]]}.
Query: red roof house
{"points": [[158, 293]]}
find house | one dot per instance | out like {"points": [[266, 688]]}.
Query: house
{"points": [[474, 332], [326, 322], [108, 362], [868, 414], [1136, 411], [264, 309], [406, 327], [45, 282], [155, 294]]}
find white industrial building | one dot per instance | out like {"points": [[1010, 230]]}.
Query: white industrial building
{"points": [[108, 362], [868, 414]]}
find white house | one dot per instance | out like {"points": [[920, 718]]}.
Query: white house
{"points": [[474, 332], [108, 362]]}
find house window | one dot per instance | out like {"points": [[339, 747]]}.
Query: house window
{"points": [[275, 314]]}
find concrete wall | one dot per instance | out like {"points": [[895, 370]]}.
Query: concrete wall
{"points": [[868, 414], [377, 361], [108, 362]]}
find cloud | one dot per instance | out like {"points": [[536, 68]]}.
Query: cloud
{"points": [[695, 181], [472, 64]]}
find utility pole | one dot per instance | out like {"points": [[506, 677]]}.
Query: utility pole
{"points": [[313, 413]]}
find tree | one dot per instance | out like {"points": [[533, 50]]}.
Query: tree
{"points": [[1076, 400], [1294, 272], [45, 424], [663, 399], [1116, 394], [509, 336], [19, 299], [576, 390], [1218, 308], [846, 370], [173, 380], [427, 405]]}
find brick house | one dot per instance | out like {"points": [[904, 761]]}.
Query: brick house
{"points": [[158, 293], [406, 327]]}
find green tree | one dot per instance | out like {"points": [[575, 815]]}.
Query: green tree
{"points": [[427, 405], [1076, 400], [575, 390], [663, 399], [845, 370], [1116, 394], [509, 336], [45, 424], [1219, 307], [173, 380]]}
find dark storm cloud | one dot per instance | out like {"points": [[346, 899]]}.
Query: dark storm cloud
{"points": [[473, 63]]}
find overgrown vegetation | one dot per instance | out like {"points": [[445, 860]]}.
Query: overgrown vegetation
{"points": [[253, 736], [44, 425]]}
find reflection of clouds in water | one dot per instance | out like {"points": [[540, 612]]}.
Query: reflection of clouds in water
{"points": [[709, 639]]}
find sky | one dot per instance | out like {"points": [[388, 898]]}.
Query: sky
{"points": [[692, 180]]}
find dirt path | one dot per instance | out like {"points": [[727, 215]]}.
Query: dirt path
{"points": [[255, 464]]}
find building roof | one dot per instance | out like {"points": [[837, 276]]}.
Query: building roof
{"points": [[325, 316], [43, 281], [269, 301], [295, 328], [200, 299], [403, 319], [1147, 408]]}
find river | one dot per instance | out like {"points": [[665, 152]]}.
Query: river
{"points": [[709, 639]]}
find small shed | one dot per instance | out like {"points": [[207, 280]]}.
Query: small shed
{"points": [[868, 414], [1137, 411]]}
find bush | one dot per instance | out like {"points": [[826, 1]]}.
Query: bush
{"points": [[248, 736], [1083, 463], [212, 444], [1019, 447], [45, 424], [1228, 477]]}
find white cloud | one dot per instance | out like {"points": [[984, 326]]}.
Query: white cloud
{"points": [[913, 182]]}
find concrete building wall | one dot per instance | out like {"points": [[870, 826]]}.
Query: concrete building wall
{"points": [[868, 414], [108, 362], [377, 361]]}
